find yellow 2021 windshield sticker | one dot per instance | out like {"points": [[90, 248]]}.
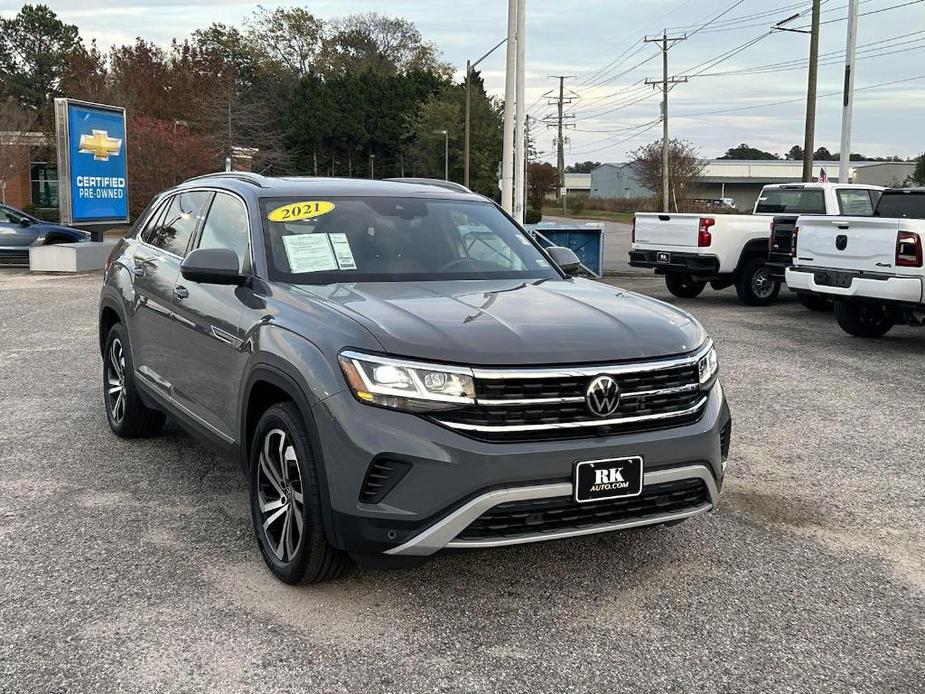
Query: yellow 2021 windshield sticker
{"points": [[297, 211]]}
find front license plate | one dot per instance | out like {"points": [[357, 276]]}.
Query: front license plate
{"points": [[596, 480], [663, 257]]}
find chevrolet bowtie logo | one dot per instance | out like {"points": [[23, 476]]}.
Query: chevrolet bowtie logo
{"points": [[100, 145]]}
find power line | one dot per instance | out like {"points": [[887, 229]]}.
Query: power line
{"points": [[834, 60], [797, 100], [617, 144]]}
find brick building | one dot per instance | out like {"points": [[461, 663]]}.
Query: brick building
{"points": [[28, 170]]}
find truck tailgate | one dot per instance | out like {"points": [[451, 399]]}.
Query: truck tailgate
{"points": [[852, 243], [667, 230]]}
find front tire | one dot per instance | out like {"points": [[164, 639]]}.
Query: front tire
{"points": [[864, 320], [286, 500], [129, 417], [755, 285], [814, 302], [683, 285]]}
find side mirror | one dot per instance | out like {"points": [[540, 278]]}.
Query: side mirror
{"points": [[212, 266], [565, 258], [25, 222]]}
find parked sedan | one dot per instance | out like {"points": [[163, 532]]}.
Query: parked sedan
{"points": [[19, 231]]}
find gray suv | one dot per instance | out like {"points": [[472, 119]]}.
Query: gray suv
{"points": [[400, 368]]}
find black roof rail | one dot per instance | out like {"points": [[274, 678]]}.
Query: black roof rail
{"points": [[247, 176], [438, 182]]}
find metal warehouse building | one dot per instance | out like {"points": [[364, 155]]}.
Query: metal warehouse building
{"points": [[742, 180]]}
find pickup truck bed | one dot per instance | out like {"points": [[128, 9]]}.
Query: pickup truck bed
{"points": [[871, 267], [691, 250]]}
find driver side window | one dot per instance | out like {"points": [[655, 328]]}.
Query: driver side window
{"points": [[481, 243]]}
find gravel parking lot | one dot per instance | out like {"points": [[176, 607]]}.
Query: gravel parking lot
{"points": [[131, 566]]}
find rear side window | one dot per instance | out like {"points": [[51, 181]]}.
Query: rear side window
{"points": [[152, 220], [854, 203], [172, 231], [791, 201], [226, 226], [909, 205]]}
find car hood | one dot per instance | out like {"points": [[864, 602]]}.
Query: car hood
{"points": [[503, 322]]}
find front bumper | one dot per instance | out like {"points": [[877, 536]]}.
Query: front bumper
{"points": [[887, 288], [453, 479]]}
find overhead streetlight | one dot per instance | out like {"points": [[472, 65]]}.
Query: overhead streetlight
{"points": [[469, 68], [446, 152]]}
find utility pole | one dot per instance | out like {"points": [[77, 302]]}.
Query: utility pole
{"points": [[560, 105], [809, 145], [510, 89], [848, 100], [667, 42], [521, 111]]}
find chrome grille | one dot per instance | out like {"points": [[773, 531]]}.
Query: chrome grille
{"points": [[547, 403]]}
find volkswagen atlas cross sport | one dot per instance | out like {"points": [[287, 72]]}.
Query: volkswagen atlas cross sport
{"points": [[400, 368]]}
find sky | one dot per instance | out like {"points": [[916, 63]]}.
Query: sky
{"points": [[600, 43]]}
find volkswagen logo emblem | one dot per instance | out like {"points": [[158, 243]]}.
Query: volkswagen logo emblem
{"points": [[603, 396]]}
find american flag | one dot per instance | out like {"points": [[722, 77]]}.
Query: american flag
{"points": [[822, 177]]}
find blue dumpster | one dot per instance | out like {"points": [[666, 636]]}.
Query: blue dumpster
{"points": [[586, 240]]}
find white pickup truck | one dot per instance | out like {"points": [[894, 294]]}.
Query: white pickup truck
{"points": [[871, 267], [725, 249]]}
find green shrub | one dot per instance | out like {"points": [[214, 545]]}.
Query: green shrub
{"points": [[532, 216], [578, 203]]}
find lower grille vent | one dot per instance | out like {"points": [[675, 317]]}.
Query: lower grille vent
{"points": [[381, 478]]}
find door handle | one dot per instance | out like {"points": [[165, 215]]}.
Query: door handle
{"points": [[180, 292]]}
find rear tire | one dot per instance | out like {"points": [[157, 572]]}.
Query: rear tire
{"points": [[129, 417], [814, 302], [285, 492], [864, 320], [755, 285], [683, 285]]}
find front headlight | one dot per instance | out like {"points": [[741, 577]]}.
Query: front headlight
{"points": [[708, 366], [407, 385]]}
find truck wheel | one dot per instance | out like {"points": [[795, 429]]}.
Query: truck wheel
{"points": [[864, 320], [285, 492], [755, 285], [683, 285], [814, 302]]}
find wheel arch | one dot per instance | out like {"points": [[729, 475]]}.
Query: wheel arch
{"points": [[756, 248], [110, 314]]}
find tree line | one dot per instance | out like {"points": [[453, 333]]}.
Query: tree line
{"points": [[362, 95]]}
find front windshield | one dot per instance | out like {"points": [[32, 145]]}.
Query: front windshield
{"points": [[386, 239]]}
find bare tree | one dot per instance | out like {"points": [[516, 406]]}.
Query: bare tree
{"points": [[684, 167], [19, 124]]}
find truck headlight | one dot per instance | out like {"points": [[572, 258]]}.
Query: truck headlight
{"points": [[407, 385], [708, 366]]}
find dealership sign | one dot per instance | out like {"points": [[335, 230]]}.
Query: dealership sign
{"points": [[92, 171]]}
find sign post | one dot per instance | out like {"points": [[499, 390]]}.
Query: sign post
{"points": [[92, 170]]}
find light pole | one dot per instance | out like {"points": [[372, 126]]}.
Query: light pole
{"points": [[372, 162], [446, 152], [469, 68], [848, 99]]}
